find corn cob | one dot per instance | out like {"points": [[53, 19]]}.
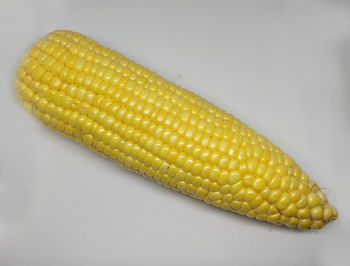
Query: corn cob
{"points": [[151, 126]]}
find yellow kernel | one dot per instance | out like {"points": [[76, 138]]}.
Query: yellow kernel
{"points": [[197, 181], [275, 182], [302, 202], [215, 156], [87, 126], [80, 93], [288, 161], [283, 202], [243, 168], [214, 174], [233, 165], [201, 192], [93, 113], [205, 155], [327, 213], [234, 177], [213, 143], [284, 219], [248, 180], [293, 221], [266, 155], [295, 195], [261, 169], [235, 205], [188, 164], [182, 185], [46, 78], [252, 165], [237, 139], [100, 117], [285, 183], [250, 195], [214, 187], [317, 213], [223, 145], [290, 211], [223, 178], [233, 150], [223, 162], [272, 210], [265, 193], [80, 122], [317, 224], [236, 187], [42, 104], [304, 223], [108, 74], [281, 170], [71, 75], [197, 167], [55, 83], [206, 184], [269, 174], [88, 139], [242, 156], [206, 170], [257, 201], [259, 184], [313, 200], [180, 175], [57, 67], [303, 188], [322, 196], [215, 195], [240, 195], [185, 115], [38, 72], [303, 213], [245, 207], [274, 217], [313, 186], [274, 196], [261, 217], [294, 184], [108, 122], [273, 160], [227, 198], [304, 177], [263, 207]]}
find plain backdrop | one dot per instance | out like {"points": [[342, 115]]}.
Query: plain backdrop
{"points": [[283, 67]]}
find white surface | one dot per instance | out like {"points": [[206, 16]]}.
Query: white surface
{"points": [[281, 66]]}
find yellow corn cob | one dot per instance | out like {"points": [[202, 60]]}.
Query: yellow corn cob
{"points": [[156, 128]]}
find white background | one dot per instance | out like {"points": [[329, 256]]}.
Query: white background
{"points": [[283, 67]]}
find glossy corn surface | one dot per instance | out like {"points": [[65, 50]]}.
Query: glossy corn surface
{"points": [[154, 127]]}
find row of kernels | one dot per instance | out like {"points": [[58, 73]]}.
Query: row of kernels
{"points": [[70, 131], [188, 162], [100, 54], [74, 116], [81, 64], [82, 95], [96, 86], [185, 93]]}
